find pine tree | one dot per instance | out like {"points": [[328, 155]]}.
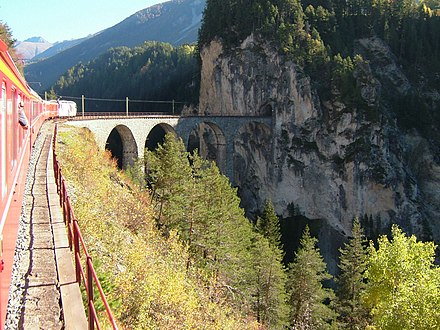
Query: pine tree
{"points": [[269, 299], [224, 236], [169, 175], [307, 296], [351, 282], [9, 40], [268, 225]]}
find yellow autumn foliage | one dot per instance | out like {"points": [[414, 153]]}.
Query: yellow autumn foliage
{"points": [[146, 278]]}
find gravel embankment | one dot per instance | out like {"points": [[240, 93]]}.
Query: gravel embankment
{"points": [[33, 278]]}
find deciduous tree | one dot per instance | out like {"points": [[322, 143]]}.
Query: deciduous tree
{"points": [[403, 288]]}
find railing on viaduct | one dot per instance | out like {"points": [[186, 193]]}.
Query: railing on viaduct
{"points": [[87, 278], [93, 104], [121, 115]]}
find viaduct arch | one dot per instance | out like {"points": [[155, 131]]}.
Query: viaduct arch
{"points": [[213, 136]]}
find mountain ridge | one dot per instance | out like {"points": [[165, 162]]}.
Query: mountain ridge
{"points": [[175, 22], [32, 47]]}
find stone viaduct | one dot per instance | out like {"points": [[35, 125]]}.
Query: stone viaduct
{"points": [[137, 133]]}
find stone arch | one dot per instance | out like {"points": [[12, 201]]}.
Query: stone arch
{"points": [[252, 164], [122, 145], [210, 141], [157, 135]]}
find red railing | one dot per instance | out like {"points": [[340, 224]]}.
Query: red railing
{"points": [[76, 243]]}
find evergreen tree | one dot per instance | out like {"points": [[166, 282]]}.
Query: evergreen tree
{"points": [[152, 71], [169, 175], [268, 225], [269, 299], [238, 265], [351, 283], [8, 39], [223, 237], [308, 298], [6, 35]]}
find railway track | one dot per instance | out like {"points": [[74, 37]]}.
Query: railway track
{"points": [[42, 275]]}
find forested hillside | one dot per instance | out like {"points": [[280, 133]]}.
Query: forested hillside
{"points": [[153, 71], [313, 31], [354, 89], [353, 148], [175, 22], [181, 255], [320, 36]]}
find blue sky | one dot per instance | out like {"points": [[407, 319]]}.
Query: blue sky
{"points": [[58, 20]]}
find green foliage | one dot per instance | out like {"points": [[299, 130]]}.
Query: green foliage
{"points": [[144, 274], [190, 195], [319, 37], [107, 285], [351, 281], [269, 299], [403, 288], [342, 75], [6, 35], [268, 225], [153, 71], [169, 175], [51, 95], [283, 21], [307, 296], [8, 39]]}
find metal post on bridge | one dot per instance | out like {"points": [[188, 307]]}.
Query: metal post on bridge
{"points": [[126, 105], [82, 105]]}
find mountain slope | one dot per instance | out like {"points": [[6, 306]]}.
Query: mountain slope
{"points": [[176, 22], [31, 47], [58, 48]]}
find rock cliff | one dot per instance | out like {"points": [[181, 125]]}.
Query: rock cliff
{"points": [[332, 161]]}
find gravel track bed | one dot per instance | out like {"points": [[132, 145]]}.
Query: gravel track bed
{"points": [[23, 263]]}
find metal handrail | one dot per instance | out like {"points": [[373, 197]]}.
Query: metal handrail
{"points": [[98, 115], [76, 242]]}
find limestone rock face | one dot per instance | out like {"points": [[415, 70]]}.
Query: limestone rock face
{"points": [[331, 161]]}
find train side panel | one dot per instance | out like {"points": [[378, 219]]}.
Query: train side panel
{"points": [[15, 149]]}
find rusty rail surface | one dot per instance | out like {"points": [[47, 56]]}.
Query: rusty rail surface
{"points": [[88, 278]]}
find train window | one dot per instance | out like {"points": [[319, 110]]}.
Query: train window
{"points": [[14, 131], [3, 140]]}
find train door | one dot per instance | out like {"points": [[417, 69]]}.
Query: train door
{"points": [[3, 140]]}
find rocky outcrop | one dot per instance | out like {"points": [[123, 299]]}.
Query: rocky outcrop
{"points": [[331, 161]]}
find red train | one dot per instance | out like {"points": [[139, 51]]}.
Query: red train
{"points": [[15, 147]]}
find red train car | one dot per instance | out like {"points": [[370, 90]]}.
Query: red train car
{"points": [[15, 147]]}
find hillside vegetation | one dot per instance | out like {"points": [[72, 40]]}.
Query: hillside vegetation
{"points": [[181, 255], [7, 38], [320, 37], [152, 71], [146, 275], [312, 31], [175, 22]]}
